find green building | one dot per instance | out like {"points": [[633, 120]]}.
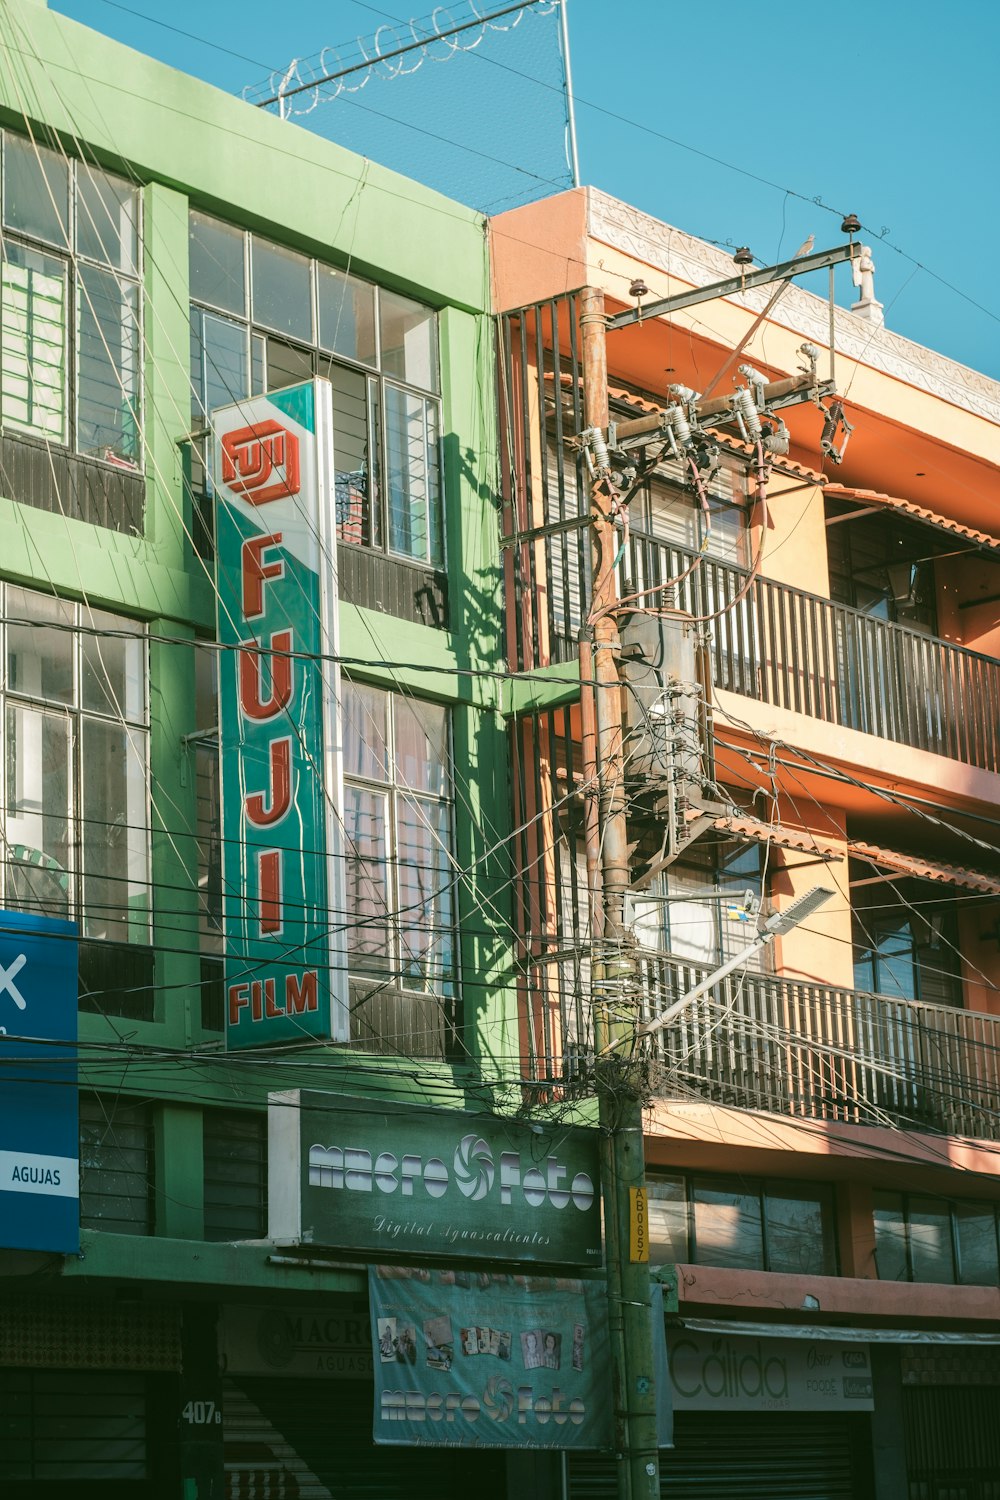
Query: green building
{"points": [[168, 250]]}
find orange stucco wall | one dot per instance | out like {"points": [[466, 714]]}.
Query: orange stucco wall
{"points": [[909, 441]]}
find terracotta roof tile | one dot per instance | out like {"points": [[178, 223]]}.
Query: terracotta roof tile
{"points": [[734, 445], [905, 864], [918, 512]]}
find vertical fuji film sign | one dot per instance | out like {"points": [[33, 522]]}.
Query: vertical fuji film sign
{"points": [[279, 686]]}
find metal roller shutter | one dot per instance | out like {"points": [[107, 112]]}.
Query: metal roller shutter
{"points": [[952, 1442], [312, 1440], [756, 1456]]}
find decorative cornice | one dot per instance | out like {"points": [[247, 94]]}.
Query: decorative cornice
{"points": [[678, 254]]}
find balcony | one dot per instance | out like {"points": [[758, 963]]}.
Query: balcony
{"points": [[792, 649], [815, 1052]]}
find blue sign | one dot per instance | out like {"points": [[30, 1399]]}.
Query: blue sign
{"points": [[39, 1114]]}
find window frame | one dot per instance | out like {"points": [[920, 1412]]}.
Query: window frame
{"points": [[870, 935], [321, 362], [75, 714], [75, 264], [905, 1200], [676, 887], [394, 791], [99, 1110], [763, 1189]]}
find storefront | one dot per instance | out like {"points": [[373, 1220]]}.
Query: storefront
{"points": [[297, 1414], [757, 1416]]}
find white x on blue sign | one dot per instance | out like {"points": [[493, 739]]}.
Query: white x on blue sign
{"points": [[39, 1114]]}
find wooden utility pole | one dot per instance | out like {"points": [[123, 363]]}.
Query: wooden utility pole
{"points": [[613, 965]]}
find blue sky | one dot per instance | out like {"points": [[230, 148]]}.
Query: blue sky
{"points": [[884, 109]]}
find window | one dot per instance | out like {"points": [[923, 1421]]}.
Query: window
{"points": [[880, 566], [698, 909], [235, 1163], [744, 1223], [668, 508], [905, 939], [263, 317], [116, 1166], [74, 726], [398, 830], [70, 343], [935, 1239]]}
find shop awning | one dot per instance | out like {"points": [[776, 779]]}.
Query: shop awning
{"points": [[875, 498], [837, 1335]]}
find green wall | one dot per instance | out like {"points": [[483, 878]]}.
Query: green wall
{"points": [[188, 142]]}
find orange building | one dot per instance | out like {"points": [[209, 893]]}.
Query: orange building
{"points": [[821, 1137]]}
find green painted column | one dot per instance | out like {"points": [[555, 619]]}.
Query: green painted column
{"points": [[174, 822], [167, 388], [179, 1174]]}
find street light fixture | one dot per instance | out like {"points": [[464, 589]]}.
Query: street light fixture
{"points": [[781, 922]]}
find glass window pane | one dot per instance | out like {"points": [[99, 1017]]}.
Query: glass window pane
{"points": [[976, 1228], [35, 190], [422, 757], [38, 781], [426, 883], [282, 297], [216, 264], [115, 1167], [219, 365], [412, 476], [365, 826], [107, 418], [113, 832], [800, 1230], [112, 677], [727, 1227], [890, 1237], [258, 364], [39, 660], [649, 917], [287, 365], [931, 1254], [354, 455], [107, 219], [671, 515], [894, 966], [409, 340], [668, 1220], [693, 923], [33, 342], [346, 315], [366, 751]]}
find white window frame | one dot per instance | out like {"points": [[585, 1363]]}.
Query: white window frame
{"points": [[137, 729], [75, 265]]}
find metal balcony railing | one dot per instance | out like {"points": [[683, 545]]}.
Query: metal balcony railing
{"points": [[799, 651], [818, 1052]]}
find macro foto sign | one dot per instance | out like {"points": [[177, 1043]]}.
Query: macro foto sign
{"points": [[314, 1339], [402, 1180], [39, 1110], [279, 685], [476, 1360]]}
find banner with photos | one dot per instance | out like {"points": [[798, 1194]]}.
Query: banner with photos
{"points": [[477, 1360]]}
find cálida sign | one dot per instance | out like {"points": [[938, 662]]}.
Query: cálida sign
{"points": [[434, 1182], [282, 870]]}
